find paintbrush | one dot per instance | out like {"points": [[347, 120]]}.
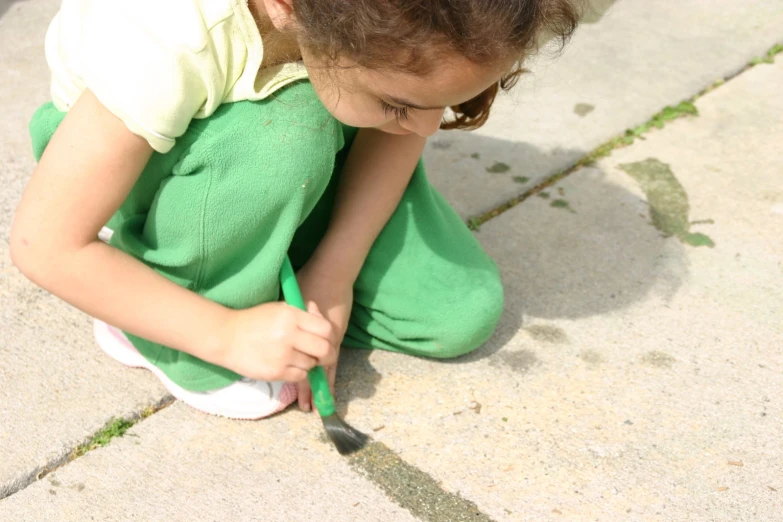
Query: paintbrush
{"points": [[344, 437]]}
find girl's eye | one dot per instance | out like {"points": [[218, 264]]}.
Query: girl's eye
{"points": [[400, 113]]}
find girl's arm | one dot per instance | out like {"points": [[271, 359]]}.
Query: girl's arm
{"points": [[86, 172], [376, 173], [374, 178]]}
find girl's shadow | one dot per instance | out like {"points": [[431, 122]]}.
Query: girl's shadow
{"points": [[595, 256]]}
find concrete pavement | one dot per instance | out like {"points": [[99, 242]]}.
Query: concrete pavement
{"points": [[636, 371]]}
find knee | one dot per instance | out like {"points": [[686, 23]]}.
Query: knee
{"points": [[472, 318]]}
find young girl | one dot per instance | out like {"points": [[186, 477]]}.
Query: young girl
{"points": [[215, 137]]}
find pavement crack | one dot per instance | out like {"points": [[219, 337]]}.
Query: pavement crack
{"points": [[114, 427], [658, 120], [412, 488]]}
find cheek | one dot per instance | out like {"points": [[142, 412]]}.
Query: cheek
{"points": [[355, 116], [349, 108]]}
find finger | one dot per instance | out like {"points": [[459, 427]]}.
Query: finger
{"points": [[331, 374], [292, 374], [312, 307], [316, 324], [301, 360], [304, 395], [315, 346]]}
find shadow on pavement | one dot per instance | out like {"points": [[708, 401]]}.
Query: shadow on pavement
{"points": [[597, 255], [5, 5]]}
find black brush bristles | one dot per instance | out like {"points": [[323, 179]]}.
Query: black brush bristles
{"points": [[345, 438]]}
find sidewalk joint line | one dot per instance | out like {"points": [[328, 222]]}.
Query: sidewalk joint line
{"points": [[658, 121], [412, 488], [114, 427]]}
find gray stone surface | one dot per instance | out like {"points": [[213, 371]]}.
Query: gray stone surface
{"points": [[640, 57], [181, 465], [57, 387], [633, 376]]}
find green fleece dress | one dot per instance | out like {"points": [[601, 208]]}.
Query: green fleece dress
{"points": [[256, 181]]}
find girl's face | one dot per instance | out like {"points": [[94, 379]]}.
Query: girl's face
{"points": [[398, 102]]}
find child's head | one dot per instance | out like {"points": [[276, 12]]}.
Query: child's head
{"points": [[373, 62]]}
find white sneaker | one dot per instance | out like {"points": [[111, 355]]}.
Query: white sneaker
{"points": [[243, 399]]}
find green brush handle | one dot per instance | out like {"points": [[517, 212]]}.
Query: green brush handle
{"points": [[322, 396]]}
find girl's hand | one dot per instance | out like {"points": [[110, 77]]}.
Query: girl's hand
{"points": [[330, 296], [277, 342]]}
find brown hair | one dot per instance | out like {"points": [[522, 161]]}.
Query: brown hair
{"points": [[393, 33]]}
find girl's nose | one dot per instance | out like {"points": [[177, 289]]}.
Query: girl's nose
{"points": [[426, 123]]}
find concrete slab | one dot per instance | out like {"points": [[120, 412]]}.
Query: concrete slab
{"points": [[634, 376], [58, 388], [615, 74], [182, 465]]}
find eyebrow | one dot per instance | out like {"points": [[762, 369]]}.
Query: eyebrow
{"points": [[400, 101]]}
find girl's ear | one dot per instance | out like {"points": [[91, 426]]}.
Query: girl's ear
{"points": [[281, 12]]}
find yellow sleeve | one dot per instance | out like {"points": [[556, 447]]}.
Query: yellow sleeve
{"points": [[145, 60]]}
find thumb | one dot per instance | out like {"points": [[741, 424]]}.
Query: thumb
{"points": [[312, 307]]}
